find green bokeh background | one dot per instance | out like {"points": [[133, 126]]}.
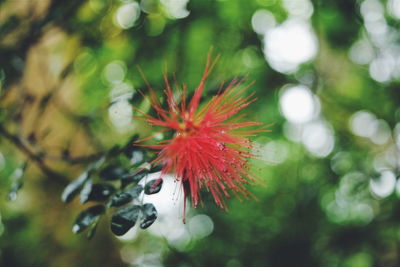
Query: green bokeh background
{"points": [[311, 211]]}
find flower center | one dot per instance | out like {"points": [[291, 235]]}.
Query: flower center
{"points": [[187, 128]]}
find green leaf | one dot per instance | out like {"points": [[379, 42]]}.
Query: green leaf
{"points": [[133, 178], [156, 168], [149, 215], [113, 172], [72, 189], [124, 219], [130, 148], [87, 188], [92, 230], [97, 192], [17, 182], [121, 199], [126, 196], [135, 191], [153, 186], [87, 218]]}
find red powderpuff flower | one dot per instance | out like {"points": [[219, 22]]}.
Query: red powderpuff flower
{"points": [[208, 149]]}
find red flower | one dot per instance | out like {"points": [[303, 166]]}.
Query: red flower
{"points": [[208, 149]]}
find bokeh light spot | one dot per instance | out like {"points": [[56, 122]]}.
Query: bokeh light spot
{"points": [[262, 20], [318, 138], [114, 72], [127, 14], [299, 8], [200, 226], [289, 45], [297, 104], [384, 185]]}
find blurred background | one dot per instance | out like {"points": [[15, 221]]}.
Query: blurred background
{"points": [[327, 78]]}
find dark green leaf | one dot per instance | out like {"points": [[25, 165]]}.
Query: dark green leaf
{"points": [[135, 191], [133, 178], [87, 218], [72, 189], [92, 230], [149, 215], [156, 168], [137, 157], [153, 186], [126, 196], [113, 172], [17, 182], [98, 192], [97, 164], [130, 148], [114, 151], [124, 219], [85, 192], [121, 199]]}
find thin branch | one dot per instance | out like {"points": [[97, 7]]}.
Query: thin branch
{"points": [[76, 159], [38, 159]]}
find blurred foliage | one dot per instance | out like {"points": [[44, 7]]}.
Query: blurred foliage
{"points": [[330, 190]]}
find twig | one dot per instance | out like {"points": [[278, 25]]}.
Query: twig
{"points": [[77, 159], [32, 156]]}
